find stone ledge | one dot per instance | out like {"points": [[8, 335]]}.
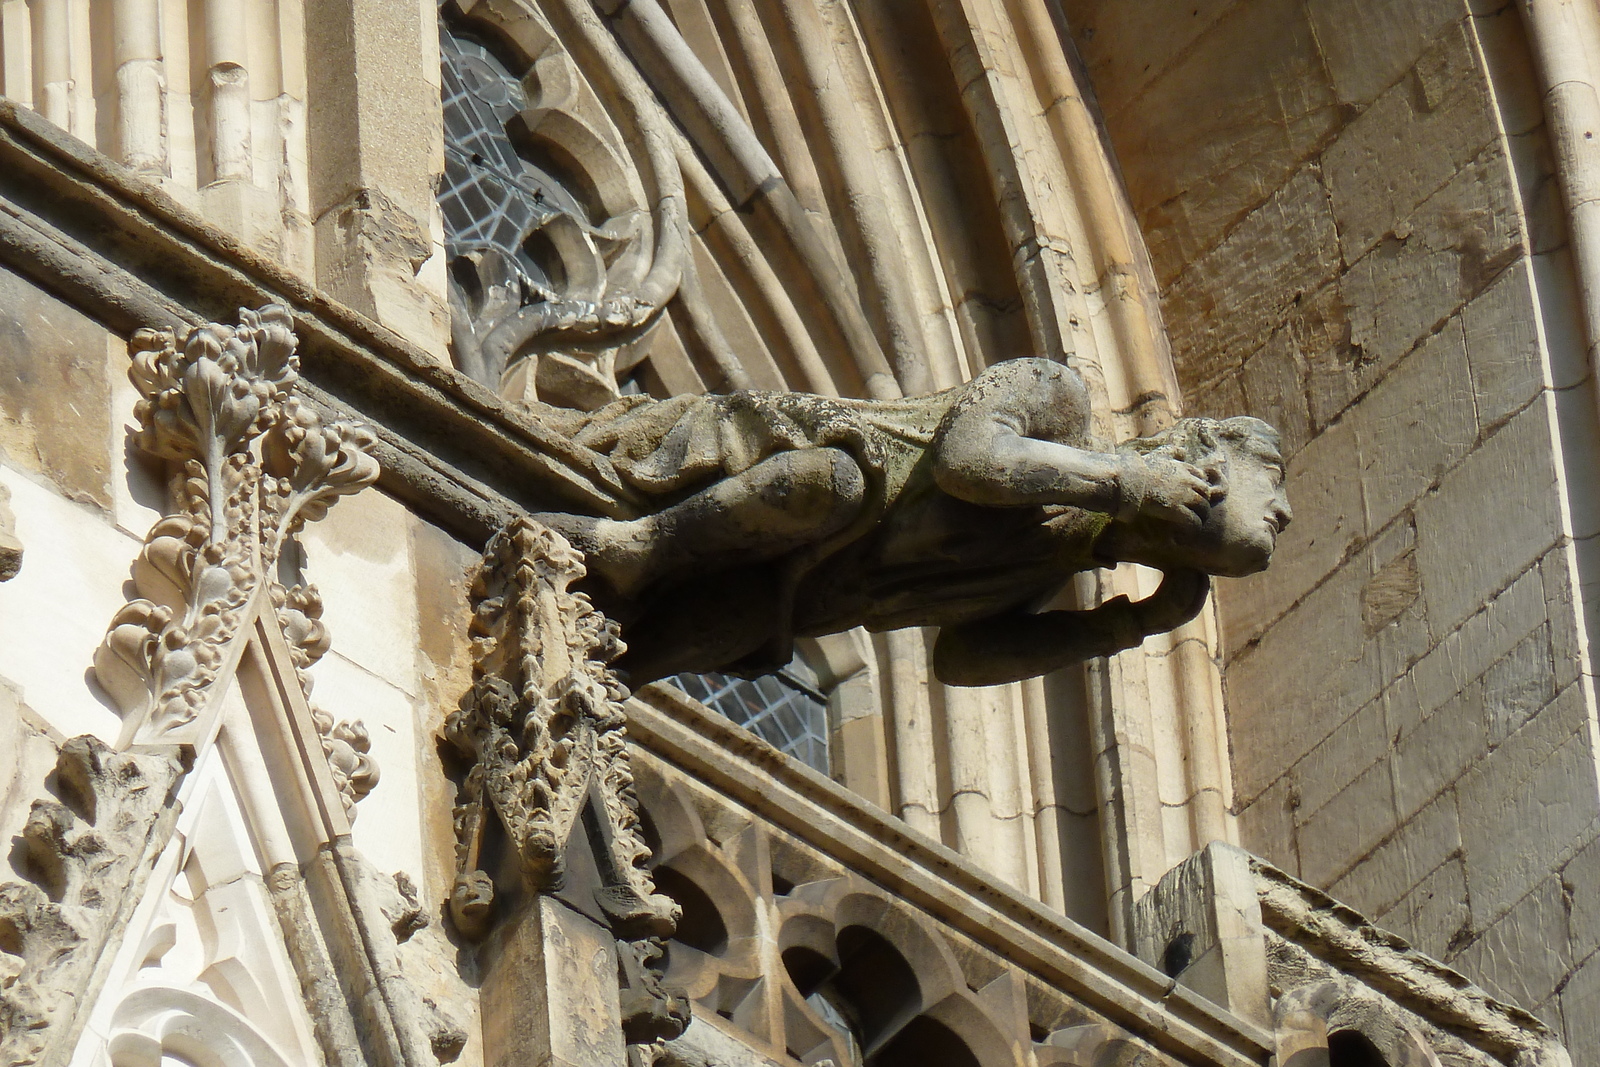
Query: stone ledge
{"points": [[1385, 962]]}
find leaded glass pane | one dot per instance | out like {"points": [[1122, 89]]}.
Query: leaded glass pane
{"points": [[784, 709]]}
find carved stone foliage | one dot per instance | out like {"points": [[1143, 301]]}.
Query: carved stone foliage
{"points": [[84, 853], [10, 546], [550, 227], [542, 729], [253, 465]]}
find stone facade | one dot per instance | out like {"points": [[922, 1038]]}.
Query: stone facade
{"points": [[266, 802]]}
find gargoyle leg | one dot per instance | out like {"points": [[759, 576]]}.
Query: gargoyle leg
{"points": [[786, 502]]}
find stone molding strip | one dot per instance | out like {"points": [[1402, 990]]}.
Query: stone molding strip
{"points": [[943, 884], [1343, 938], [119, 249]]}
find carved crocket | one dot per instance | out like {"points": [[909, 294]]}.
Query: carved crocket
{"points": [[778, 515]]}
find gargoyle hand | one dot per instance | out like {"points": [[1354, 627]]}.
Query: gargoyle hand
{"points": [[1167, 489]]}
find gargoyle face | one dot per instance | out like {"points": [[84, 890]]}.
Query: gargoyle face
{"points": [[1243, 527]]}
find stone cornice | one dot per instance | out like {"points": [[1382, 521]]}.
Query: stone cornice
{"points": [[123, 252]]}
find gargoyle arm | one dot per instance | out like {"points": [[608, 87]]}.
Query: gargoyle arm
{"points": [[1003, 445], [1018, 645]]}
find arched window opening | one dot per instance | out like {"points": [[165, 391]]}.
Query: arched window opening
{"points": [[700, 925], [786, 709], [921, 1042], [1352, 1048]]}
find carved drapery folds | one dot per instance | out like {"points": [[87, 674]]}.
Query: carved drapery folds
{"points": [[542, 729], [254, 465]]}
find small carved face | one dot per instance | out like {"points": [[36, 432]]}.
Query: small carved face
{"points": [[1246, 522]]}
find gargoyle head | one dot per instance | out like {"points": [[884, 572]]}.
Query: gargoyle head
{"points": [[1241, 529]]}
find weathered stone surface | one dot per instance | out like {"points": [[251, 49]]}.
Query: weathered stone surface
{"points": [[1415, 424], [1394, 608], [1485, 637], [1120, 74], [1336, 372], [1433, 915], [1467, 551], [1411, 141], [1231, 299], [1332, 676], [1581, 879], [1580, 1005], [360, 557], [1395, 868], [1518, 685], [1182, 154], [71, 584], [1527, 807], [1503, 348], [1358, 743], [1267, 825], [1367, 48], [1439, 257], [1438, 750], [1274, 383], [1348, 826], [56, 363], [549, 995], [1202, 925], [1524, 956]]}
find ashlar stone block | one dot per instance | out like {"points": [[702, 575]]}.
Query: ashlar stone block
{"points": [[1415, 137], [1193, 169], [1274, 381], [1328, 520], [1266, 825], [1415, 424], [57, 366], [1528, 807], [1503, 348], [1518, 685], [1581, 878], [1466, 652], [1395, 868], [1525, 955], [1368, 47], [1470, 551], [1335, 836], [1438, 750], [1302, 679], [1228, 303], [549, 994], [1358, 743], [1437, 259], [1202, 924], [1434, 914]]}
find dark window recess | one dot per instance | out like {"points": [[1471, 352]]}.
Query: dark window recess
{"points": [[785, 709], [1351, 1048]]}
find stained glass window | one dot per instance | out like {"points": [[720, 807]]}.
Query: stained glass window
{"points": [[491, 196], [785, 709]]}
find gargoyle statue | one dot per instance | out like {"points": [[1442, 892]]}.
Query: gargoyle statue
{"points": [[782, 515]]}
